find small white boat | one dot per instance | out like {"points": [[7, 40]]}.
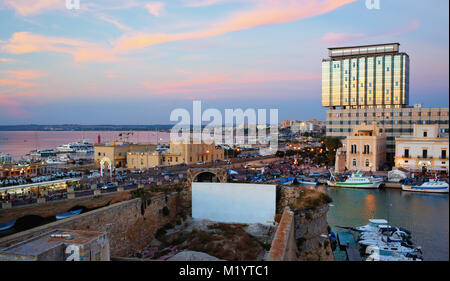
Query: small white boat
{"points": [[7, 225], [390, 250], [356, 180], [68, 214], [432, 186], [373, 226], [306, 182], [377, 257]]}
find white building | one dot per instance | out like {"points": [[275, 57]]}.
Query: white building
{"points": [[5, 158], [425, 149]]}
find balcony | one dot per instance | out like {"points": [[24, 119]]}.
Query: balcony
{"points": [[425, 157]]}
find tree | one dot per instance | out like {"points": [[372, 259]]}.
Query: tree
{"points": [[332, 144]]}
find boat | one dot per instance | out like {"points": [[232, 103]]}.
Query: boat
{"points": [[65, 148], [390, 250], [7, 225], [377, 257], [431, 186], [374, 225], [305, 181], [356, 180], [68, 214]]}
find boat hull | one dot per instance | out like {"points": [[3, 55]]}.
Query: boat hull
{"points": [[424, 189], [372, 185], [68, 214], [8, 225]]}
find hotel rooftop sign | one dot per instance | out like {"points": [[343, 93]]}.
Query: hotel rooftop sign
{"points": [[363, 50]]}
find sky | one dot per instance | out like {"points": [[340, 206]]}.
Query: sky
{"points": [[133, 61]]}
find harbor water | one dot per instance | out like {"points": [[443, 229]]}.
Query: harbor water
{"points": [[425, 215]]}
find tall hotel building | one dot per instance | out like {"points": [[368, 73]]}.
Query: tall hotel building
{"points": [[371, 83]]}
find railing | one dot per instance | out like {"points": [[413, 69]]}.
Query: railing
{"points": [[425, 157]]}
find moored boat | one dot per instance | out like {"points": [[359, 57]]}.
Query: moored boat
{"points": [[7, 225], [432, 186], [68, 214], [356, 180]]}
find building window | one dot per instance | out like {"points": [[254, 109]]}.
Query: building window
{"points": [[345, 78], [353, 148], [425, 134], [444, 154], [353, 99], [354, 64], [387, 99], [396, 98], [387, 69], [353, 78], [406, 154], [387, 91], [345, 99], [353, 85], [354, 162], [367, 163], [379, 62], [366, 149], [370, 84], [362, 99], [99, 154], [362, 85], [424, 153], [346, 72], [345, 85], [396, 83], [370, 91]]}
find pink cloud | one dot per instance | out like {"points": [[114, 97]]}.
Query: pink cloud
{"points": [[115, 22], [266, 12], [18, 83], [331, 38], [208, 83], [11, 107], [155, 8], [27, 7], [82, 51], [7, 60]]}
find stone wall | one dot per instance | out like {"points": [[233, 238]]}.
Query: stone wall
{"points": [[284, 247], [309, 225], [52, 208], [130, 225]]}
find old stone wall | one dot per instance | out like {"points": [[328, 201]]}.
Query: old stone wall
{"points": [[310, 227], [284, 247], [130, 225]]}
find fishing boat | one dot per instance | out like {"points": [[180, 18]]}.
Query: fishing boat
{"points": [[356, 180], [431, 186], [68, 214], [7, 225]]}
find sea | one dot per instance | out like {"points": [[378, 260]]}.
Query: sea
{"points": [[19, 143], [425, 215]]}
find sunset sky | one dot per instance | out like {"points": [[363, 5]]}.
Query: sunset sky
{"points": [[133, 61]]}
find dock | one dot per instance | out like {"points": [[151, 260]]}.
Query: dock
{"points": [[345, 238], [347, 242]]}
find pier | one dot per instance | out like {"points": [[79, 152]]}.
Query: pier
{"points": [[347, 242]]}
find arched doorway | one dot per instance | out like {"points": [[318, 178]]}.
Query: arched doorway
{"points": [[102, 165]]}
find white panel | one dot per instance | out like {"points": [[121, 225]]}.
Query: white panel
{"points": [[234, 202]]}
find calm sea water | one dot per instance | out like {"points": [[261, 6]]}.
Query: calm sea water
{"points": [[18, 143], [425, 215]]}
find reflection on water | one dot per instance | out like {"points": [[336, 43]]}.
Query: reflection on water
{"points": [[426, 215]]}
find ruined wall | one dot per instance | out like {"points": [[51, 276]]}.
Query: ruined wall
{"points": [[284, 247], [309, 225], [130, 225]]}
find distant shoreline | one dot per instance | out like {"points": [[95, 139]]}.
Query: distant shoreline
{"points": [[59, 128]]}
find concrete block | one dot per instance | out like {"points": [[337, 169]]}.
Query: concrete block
{"points": [[71, 196], [120, 189], [41, 200], [97, 192], [7, 205]]}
